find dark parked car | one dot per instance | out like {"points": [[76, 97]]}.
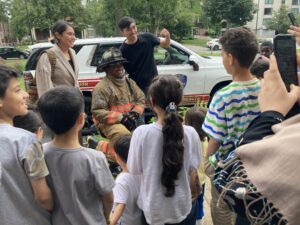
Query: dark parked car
{"points": [[11, 52]]}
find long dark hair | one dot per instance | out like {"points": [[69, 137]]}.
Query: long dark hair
{"points": [[166, 92], [60, 27]]}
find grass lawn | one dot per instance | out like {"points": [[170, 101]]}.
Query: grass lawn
{"points": [[209, 53], [198, 42], [18, 64], [22, 47]]}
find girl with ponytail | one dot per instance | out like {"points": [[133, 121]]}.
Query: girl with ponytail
{"points": [[163, 154]]}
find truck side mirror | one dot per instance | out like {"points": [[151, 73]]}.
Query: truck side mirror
{"points": [[194, 65]]}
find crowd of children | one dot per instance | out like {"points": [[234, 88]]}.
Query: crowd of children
{"points": [[62, 182]]}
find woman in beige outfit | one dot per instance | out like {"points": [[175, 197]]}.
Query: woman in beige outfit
{"points": [[66, 65]]}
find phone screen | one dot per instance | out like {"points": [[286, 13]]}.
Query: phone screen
{"points": [[293, 19], [285, 53]]}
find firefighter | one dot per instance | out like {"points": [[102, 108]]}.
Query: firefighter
{"points": [[117, 101]]}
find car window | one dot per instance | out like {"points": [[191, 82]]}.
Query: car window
{"points": [[33, 58], [35, 53], [77, 48], [100, 49], [170, 56]]}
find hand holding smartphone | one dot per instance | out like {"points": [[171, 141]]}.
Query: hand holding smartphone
{"points": [[293, 19], [285, 53]]}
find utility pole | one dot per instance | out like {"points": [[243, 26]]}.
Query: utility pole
{"points": [[28, 22]]}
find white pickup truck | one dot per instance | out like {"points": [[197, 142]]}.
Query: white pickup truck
{"points": [[202, 76]]}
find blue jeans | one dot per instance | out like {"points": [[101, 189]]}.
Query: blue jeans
{"points": [[200, 202]]}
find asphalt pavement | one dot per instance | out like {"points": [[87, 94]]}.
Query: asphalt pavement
{"points": [[207, 197]]}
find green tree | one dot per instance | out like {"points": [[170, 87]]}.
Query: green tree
{"points": [[4, 7], [94, 15], [151, 15], [280, 21], [54, 10], [196, 7], [104, 15], [182, 26], [43, 13], [235, 12], [113, 11], [19, 21], [159, 12]]}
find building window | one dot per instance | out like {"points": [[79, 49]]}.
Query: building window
{"points": [[269, 2], [295, 2], [268, 11], [266, 21], [295, 11]]}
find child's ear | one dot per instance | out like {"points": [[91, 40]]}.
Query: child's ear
{"points": [[117, 157], [40, 133], [231, 59], [1, 102], [81, 119], [152, 102]]}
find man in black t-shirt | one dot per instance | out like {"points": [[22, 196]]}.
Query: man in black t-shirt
{"points": [[138, 49]]}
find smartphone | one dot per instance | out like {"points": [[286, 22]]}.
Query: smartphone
{"points": [[293, 19], [285, 53]]}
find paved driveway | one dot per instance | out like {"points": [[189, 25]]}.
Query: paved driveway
{"points": [[207, 197]]}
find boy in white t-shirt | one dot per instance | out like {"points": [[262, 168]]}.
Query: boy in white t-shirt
{"points": [[125, 210]]}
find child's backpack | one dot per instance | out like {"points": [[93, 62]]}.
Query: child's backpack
{"points": [[31, 83]]}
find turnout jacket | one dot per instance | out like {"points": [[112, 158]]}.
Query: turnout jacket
{"points": [[112, 97]]}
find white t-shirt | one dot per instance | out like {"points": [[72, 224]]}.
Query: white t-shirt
{"points": [[126, 192], [145, 158]]}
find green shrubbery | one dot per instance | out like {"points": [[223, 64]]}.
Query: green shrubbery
{"points": [[18, 64]]}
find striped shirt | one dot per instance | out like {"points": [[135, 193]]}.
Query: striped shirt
{"points": [[231, 111]]}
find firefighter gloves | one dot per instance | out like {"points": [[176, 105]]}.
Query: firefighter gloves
{"points": [[129, 121]]}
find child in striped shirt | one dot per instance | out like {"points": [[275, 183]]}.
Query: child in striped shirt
{"points": [[234, 106]]}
